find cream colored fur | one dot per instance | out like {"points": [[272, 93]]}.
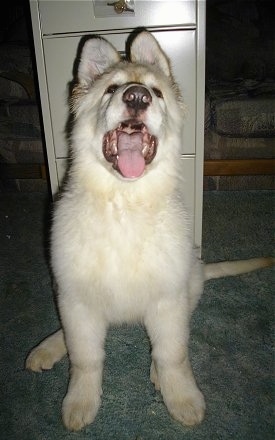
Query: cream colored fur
{"points": [[121, 249]]}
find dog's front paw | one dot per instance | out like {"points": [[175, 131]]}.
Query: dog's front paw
{"points": [[79, 412], [189, 409], [40, 359]]}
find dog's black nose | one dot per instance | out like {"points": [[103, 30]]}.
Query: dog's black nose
{"points": [[137, 97]]}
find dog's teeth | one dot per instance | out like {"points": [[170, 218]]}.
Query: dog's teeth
{"points": [[145, 149], [114, 147]]}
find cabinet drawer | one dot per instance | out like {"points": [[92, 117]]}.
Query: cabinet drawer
{"points": [[68, 16], [60, 54]]}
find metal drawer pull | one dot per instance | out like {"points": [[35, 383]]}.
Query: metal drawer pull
{"points": [[120, 6]]}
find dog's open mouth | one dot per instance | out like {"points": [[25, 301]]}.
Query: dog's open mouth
{"points": [[130, 147]]}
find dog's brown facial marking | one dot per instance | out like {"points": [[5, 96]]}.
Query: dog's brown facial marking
{"points": [[130, 146]]}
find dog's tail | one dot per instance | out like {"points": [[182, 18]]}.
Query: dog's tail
{"points": [[231, 268]]}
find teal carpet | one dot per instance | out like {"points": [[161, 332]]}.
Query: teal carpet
{"points": [[230, 347]]}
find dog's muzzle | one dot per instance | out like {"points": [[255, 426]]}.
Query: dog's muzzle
{"points": [[130, 146]]}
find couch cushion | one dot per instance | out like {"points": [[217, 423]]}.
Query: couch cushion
{"points": [[227, 147], [242, 108], [245, 117]]}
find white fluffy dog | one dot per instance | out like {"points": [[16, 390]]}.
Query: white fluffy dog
{"points": [[121, 246]]}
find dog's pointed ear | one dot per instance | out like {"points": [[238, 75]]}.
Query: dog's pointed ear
{"points": [[146, 50], [96, 56]]}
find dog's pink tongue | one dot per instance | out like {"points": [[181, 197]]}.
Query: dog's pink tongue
{"points": [[131, 162]]}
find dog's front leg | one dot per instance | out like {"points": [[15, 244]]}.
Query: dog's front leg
{"points": [[85, 333], [171, 372]]}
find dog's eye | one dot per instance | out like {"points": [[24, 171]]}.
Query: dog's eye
{"points": [[157, 92], [112, 88]]}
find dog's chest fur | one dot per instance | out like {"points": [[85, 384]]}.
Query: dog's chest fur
{"points": [[120, 248]]}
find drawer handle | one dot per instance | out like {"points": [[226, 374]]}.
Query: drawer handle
{"points": [[120, 6]]}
